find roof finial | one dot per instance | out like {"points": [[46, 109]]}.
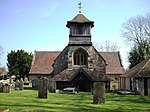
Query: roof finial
{"points": [[79, 4]]}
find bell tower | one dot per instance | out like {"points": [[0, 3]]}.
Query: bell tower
{"points": [[80, 30]]}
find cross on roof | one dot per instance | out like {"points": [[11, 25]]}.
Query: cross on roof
{"points": [[80, 6]]}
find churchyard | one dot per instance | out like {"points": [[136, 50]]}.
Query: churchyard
{"points": [[27, 99]]}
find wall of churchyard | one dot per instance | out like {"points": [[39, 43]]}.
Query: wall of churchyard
{"points": [[61, 61]]}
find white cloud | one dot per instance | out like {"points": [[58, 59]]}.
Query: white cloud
{"points": [[49, 11]]}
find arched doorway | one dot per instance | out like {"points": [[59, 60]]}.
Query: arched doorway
{"points": [[82, 82]]}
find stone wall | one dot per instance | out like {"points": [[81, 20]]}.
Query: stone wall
{"points": [[61, 61], [115, 81], [94, 58]]}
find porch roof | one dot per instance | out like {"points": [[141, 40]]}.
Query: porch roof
{"points": [[68, 75], [141, 70]]}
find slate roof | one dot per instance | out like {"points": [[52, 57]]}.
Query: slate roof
{"points": [[114, 63], [140, 70], [80, 18], [43, 60]]}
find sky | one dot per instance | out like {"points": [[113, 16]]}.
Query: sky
{"points": [[41, 24]]}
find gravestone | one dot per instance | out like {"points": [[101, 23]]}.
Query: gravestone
{"points": [[98, 93], [35, 82], [21, 84], [6, 88], [26, 82], [17, 84], [52, 86], [43, 87]]}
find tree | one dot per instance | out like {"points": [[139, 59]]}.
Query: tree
{"points": [[1, 51], [19, 63], [137, 29], [2, 70], [139, 53], [106, 46]]}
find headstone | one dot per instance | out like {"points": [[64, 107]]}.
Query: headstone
{"points": [[21, 84], [52, 86], [26, 82], [6, 88], [17, 84], [1, 87], [43, 87], [35, 82], [98, 93]]}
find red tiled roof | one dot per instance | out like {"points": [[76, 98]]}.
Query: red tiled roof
{"points": [[42, 62], [113, 61]]}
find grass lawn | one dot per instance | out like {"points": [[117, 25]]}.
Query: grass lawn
{"points": [[80, 102]]}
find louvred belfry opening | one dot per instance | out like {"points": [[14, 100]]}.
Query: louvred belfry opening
{"points": [[80, 30]]}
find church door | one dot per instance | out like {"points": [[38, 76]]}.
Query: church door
{"points": [[82, 83]]}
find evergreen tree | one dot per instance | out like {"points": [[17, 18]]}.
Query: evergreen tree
{"points": [[19, 63], [139, 53]]}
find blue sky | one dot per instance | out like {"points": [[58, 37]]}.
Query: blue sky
{"points": [[41, 24]]}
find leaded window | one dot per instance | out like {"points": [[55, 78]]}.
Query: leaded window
{"points": [[80, 57]]}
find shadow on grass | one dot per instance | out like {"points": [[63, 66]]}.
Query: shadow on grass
{"points": [[129, 98], [56, 108], [29, 88]]}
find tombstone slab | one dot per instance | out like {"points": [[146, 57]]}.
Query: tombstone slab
{"points": [[43, 88], [98, 93]]}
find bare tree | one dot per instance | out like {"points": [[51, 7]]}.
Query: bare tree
{"points": [[2, 70], [106, 46], [1, 52], [137, 29]]}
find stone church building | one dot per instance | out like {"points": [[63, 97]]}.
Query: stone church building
{"points": [[79, 64]]}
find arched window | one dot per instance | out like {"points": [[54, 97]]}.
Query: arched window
{"points": [[80, 57]]}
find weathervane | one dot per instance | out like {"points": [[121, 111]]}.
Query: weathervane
{"points": [[80, 6]]}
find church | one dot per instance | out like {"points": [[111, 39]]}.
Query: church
{"points": [[79, 64]]}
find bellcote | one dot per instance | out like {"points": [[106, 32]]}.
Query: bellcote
{"points": [[80, 30]]}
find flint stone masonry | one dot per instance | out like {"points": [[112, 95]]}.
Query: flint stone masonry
{"points": [[99, 93], [43, 88]]}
